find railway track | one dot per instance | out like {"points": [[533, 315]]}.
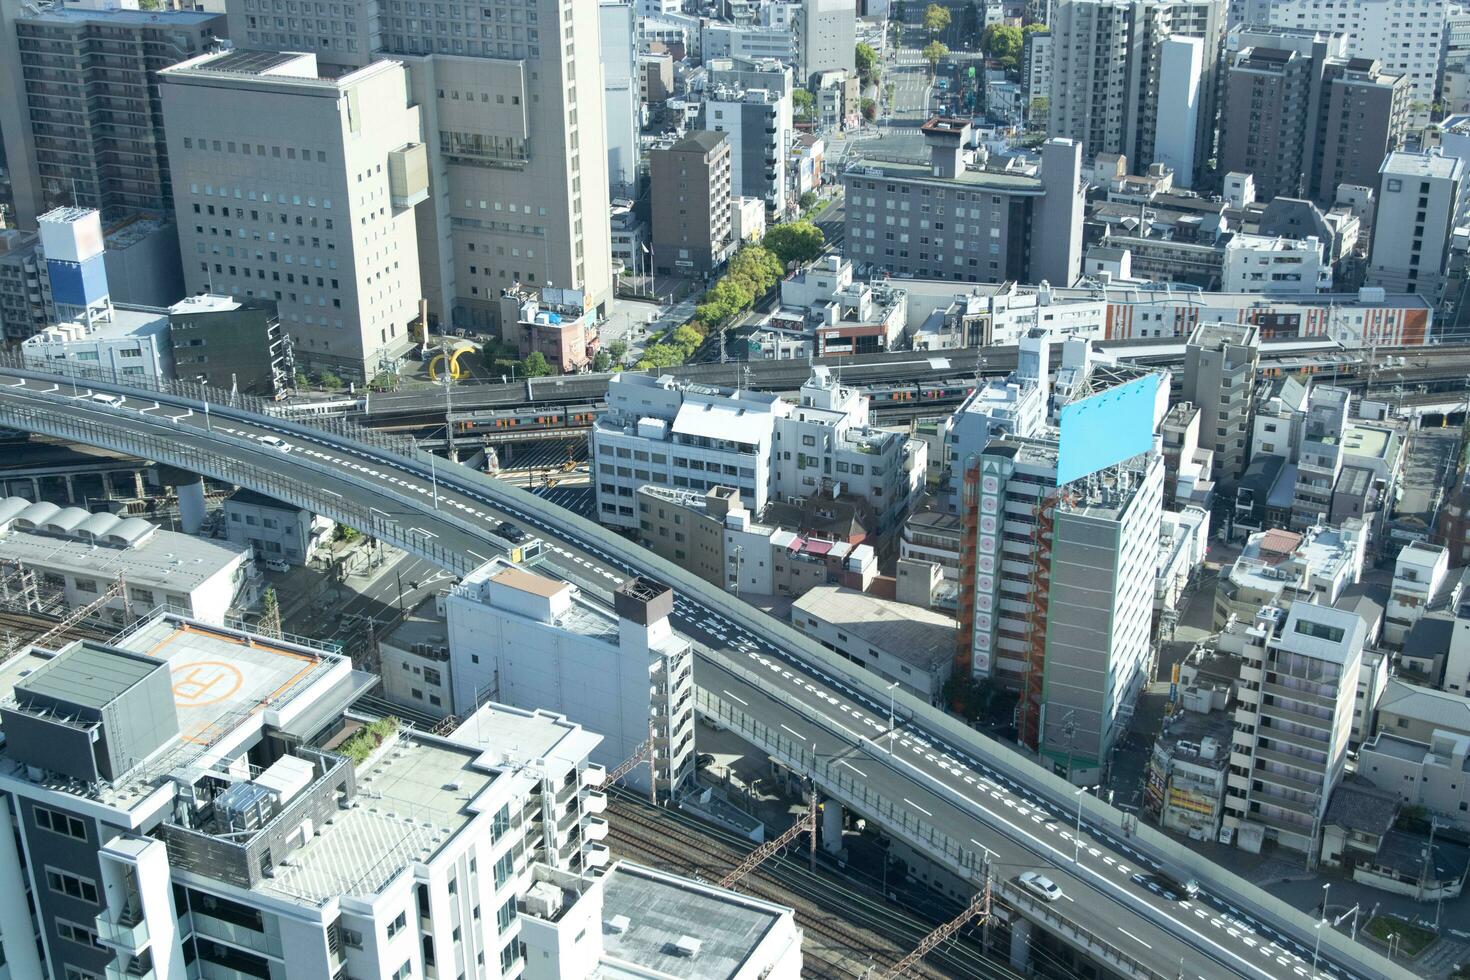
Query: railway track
{"points": [[18, 629], [850, 932]]}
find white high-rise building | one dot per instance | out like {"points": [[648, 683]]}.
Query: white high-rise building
{"points": [[300, 187], [622, 101], [522, 639], [1406, 36], [1420, 195], [1299, 681], [827, 37]]}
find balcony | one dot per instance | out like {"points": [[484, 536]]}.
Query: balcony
{"points": [[1297, 717], [1293, 738], [128, 932], [132, 968], [1286, 782], [593, 775], [596, 829], [598, 855], [594, 803]]}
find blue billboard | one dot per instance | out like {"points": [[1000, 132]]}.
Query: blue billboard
{"points": [[1107, 428], [78, 284]]}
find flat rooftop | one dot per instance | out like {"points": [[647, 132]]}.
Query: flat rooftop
{"points": [[915, 635], [919, 171], [127, 321], [410, 801], [522, 581], [663, 908], [1371, 441]]}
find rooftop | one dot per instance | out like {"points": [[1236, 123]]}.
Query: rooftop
{"points": [[162, 19], [522, 581], [915, 635], [1433, 164], [126, 321], [662, 908], [1358, 805], [1440, 709], [989, 179], [1199, 738]]}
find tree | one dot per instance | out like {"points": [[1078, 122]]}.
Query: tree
{"points": [[934, 52], [302, 381], [1036, 114], [330, 382], [870, 109], [867, 63], [1004, 43], [617, 350], [936, 18], [602, 362], [795, 241], [802, 103], [535, 365], [808, 200]]}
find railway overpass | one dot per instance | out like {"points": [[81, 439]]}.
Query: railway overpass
{"points": [[968, 802]]}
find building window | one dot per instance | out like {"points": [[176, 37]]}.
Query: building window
{"points": [[59, 823], [73, 886]]}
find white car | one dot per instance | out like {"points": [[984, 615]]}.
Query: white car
{"points": [[1040, 885], [274, 442], [276, 565], [111, 401]]}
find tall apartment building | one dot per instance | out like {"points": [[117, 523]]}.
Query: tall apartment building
{"points": [[944, 219], [1293, 720], [622, 102], [1319, 456], [81, 119], [1109, 75], [23, 285], [197, 795], [690, 182], [1302, 116], [751, 103], [1420, 197], [1405, 36], [534, 642], [301, 189], [510, 94], [1220, 377]]}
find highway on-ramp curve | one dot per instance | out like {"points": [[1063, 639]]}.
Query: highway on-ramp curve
{"points": [[966, 788]]}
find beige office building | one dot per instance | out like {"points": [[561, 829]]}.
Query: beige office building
{"points": [[302, 189], [511, 96]]}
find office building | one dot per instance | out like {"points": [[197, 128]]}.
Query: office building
{"points": [[234, 345], [518, 157], [826, 32], [516, 637], [78, 556], [1185, 786], [691, 187], [23, 284], [621, 100], [1016, 407], [83, 121], [1405, 36], [1420, 197], [1220, 376], [1272, 264], [198, 795], [751, 103], [126, 345], [723, 40], [300, 188], [980, 226], [1116, 85], [1293, 721], [903, 644], [1302, 116]]}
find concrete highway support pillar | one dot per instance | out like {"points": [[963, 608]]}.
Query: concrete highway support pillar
{"points": [[1020, 944], [832, 815], [190, 490]]}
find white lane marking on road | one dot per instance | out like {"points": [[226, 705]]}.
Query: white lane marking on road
{"points": [[1134, 938], [795, 732], [917, 807], [476, 554], [853, 768]]}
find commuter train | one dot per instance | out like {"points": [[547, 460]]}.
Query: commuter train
{"points": [[531, 419]]}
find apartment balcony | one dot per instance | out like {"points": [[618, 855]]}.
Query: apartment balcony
{"points": [[1297, 694], [596, 829], [1286, 782], [1308, 742], [1279, 710], [1281, 824], [127, 931], [132, 968], [594, 803], [597, 855], [1307, 810]]}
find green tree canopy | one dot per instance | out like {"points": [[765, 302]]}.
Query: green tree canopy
{"points": [[1004, 43], [934, 52], [802, 103], [795, 241], [535, 365], [602, 362], [870, 109], [936, 18], [867, 62]]}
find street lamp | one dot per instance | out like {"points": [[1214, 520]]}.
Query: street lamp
{"points": [[1077, 839], [891, 725], [1317, 949]]}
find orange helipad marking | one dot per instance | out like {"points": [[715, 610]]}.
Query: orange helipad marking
{"points": [[205, 682]]}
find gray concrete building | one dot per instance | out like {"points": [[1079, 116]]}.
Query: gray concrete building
{"points": [[301, 189], [826, 37], [1220, 376], [230, 345], [1106, 70], [691, 204], [510, 93], [1419, 198], [23, 285], [942, 218], [1302, 116], [81, 118]]}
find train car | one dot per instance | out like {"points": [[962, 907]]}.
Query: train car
{"points": [[945, 391]]}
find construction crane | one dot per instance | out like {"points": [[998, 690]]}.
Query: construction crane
{"points": [[756, 857], [979, 907]]}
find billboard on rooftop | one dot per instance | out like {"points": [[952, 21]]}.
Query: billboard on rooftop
{"points": [[1106, 428]]}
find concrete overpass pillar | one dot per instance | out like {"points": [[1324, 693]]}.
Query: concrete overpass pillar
{"points": [[832, 814], [1020, 944]]}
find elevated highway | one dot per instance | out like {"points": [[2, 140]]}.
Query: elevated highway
{"points": [[970, 803]]}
